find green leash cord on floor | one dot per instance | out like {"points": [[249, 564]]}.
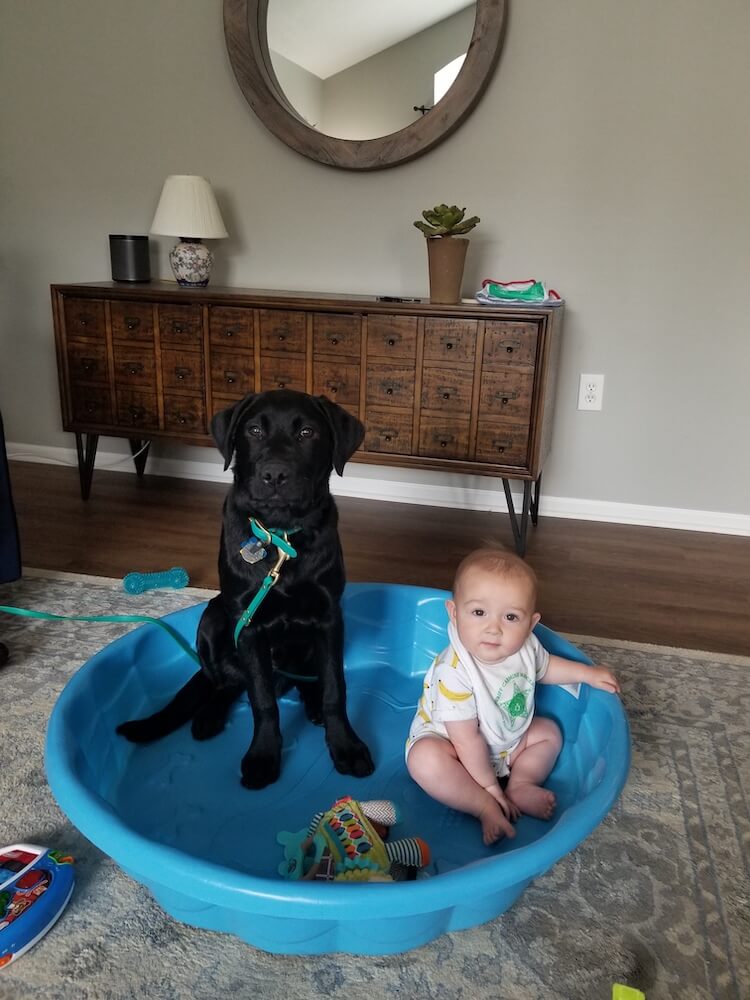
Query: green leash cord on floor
{"points": [[47, 616]]}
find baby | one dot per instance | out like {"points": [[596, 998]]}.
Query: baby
{"points": [[475, 721]]}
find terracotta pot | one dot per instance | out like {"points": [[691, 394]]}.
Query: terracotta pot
{"points": [[446, 256]]}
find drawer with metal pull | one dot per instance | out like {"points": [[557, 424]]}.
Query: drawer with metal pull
{"points": [[450, 340], [507, 343], [229, 326], [180, 324], [392, 336], [442, 438], [339, 382], [182, 370], [339, 335], [184, 414], [84, 317], [506, 394], [282, 373], [501, 443], [232, 374], [137, 409], [386, 432], [390, 385], [132, 320], [282, 330], [447, 389], [87, 361], [134, 365]]}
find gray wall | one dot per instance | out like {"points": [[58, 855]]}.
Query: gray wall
{"points": [[609, 157]]}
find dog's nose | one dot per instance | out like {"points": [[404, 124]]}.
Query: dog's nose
{"points": [[275, 475]]}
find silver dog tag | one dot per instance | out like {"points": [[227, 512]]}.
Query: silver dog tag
{"points": [[253, 551]]}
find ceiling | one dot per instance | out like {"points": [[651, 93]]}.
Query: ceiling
{"points": [[327, 36]]}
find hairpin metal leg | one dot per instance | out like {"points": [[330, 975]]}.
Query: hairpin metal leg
{"points": [[534, 509], [519, 531], [139, 460], [86, 456]]}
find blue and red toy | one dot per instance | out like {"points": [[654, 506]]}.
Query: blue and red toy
{"points": [[35, 886]]}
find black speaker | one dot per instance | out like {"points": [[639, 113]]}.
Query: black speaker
{"points": [[130, 258]]}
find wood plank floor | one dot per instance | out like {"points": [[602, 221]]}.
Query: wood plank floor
{"points": [[669, 587]]}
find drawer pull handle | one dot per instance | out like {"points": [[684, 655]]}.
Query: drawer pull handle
{"points": [[134, 367], [88, 364], [388, 437], [333, 389], [446, 395], [504, 400], [449, 347], [83, 320], [509, 350], [443, 444], [282, 385], [282, 336], [229, 333], [181, 419], [501, 448], [230, 378], [137, 413], [90, 408], [334, 340], [391, 342], [178, 327], [132, 322], [182, 373], [389, 391]]}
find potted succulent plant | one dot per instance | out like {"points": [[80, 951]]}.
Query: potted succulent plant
{"points": [[445, 226]]}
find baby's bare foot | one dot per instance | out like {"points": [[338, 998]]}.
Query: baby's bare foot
{"points": [[494, 824], [533, 800]]}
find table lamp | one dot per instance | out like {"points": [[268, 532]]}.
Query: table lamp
{"points": [[187, 208]]}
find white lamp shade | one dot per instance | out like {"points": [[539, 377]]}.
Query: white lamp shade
{"points": [[187, 207]]}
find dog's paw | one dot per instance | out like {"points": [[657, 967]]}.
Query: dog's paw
{"points": [[353, 758], [260, 769], [137, 731]]}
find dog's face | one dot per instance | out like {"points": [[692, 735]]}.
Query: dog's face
{"points": [[285, 444]]}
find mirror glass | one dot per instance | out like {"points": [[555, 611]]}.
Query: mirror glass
{"points": [[364, 70]]}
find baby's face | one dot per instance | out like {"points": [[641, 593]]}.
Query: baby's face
{"points": [[492, 614]]}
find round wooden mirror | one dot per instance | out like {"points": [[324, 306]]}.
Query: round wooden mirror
{"points": [[258, 68]]}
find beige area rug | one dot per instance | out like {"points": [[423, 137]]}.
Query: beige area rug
{"points": [[657, 897]]}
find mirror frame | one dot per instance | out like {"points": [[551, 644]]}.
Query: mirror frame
{"points": [[245, 23]]}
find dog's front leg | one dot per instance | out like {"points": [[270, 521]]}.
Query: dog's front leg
{"points": [[349, 753], [261, 765]]}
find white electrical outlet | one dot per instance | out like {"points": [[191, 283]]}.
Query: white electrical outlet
{"points": [[590, 392]]}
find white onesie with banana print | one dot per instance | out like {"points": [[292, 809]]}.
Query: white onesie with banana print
{"points": [[500, 696]]}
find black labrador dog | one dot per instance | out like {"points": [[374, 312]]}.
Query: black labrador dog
{"points": [[286, 445]]}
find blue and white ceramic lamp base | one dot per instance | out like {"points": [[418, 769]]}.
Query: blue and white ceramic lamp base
{"points": [[191, 263]]}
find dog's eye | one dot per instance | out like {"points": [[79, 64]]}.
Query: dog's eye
{"points": [[255, 431], [306, 432]]}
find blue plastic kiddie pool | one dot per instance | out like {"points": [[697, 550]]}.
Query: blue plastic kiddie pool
{"points": [[174, 816]]}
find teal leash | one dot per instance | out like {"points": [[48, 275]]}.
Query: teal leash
{"points": [[264, 535], [47, 616]]}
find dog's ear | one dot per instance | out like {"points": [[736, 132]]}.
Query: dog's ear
{"points": [[348, 432], [224, 426]]}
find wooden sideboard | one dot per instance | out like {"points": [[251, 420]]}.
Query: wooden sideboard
{"points": [[465, 388]]}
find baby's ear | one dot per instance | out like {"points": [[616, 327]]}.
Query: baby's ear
{"points": [[535, 619], [450, 607]]}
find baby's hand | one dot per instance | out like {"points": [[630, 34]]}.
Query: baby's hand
{"points": [[511, 811], [603, 678]]}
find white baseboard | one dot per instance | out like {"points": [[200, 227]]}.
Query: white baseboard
{"points": [[374, 487]]}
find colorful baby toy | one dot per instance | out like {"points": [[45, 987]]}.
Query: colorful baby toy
{"points": [[347, 844], [35, 886]]}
